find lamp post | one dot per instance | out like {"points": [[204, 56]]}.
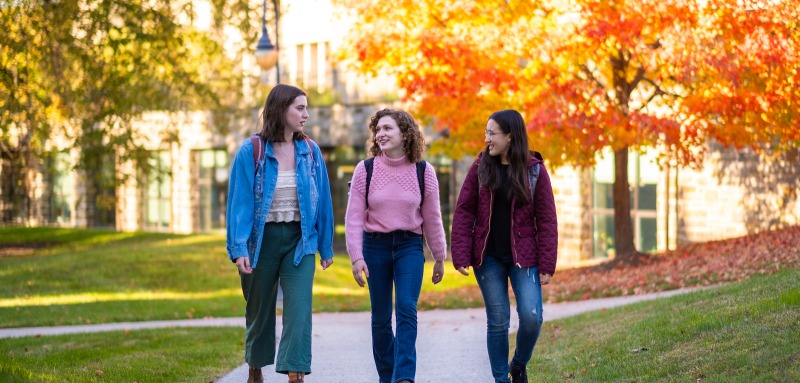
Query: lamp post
{"points": [[266, 53]]}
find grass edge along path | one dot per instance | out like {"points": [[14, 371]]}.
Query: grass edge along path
{"points": [[742, 332]]}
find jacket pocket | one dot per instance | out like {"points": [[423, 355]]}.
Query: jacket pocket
{"points": [[478, 240], [524, 232]]}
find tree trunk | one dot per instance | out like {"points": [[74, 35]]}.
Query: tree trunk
{"points": [[623, 229]]}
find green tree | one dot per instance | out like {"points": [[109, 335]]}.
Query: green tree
{"points": [[83, 70]]}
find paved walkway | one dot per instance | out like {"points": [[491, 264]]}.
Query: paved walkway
{"points": [[451, 345]]}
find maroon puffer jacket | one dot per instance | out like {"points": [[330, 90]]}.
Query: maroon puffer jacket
{"points": [[533, 244]]}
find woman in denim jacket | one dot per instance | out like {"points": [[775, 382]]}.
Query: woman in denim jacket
{"points": [[279, 215], [507, 237]]}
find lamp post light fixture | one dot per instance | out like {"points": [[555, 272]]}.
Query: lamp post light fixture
{"points": [[266, 53]]}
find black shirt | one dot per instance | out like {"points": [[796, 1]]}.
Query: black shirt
{"points": [[499, 243]]}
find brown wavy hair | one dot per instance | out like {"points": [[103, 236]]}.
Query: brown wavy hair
{"points": [[413, 139], [273, 117]]}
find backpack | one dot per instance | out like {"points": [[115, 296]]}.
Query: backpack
{"points": [[369, 164], [258, 152]]}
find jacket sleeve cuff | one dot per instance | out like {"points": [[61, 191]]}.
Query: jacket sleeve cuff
{"points": [[237, 251], [326, 253]]}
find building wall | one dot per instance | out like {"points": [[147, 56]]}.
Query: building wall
{"points": [[572, 189], [307, 55], [736, 193], [181, 134]]}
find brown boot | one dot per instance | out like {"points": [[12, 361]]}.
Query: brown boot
{"points": [[296, 377], [255, 376]]}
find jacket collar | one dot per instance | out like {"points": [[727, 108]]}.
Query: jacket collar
{"points": [[300, 148]]}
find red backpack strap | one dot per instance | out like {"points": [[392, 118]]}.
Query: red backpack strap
{"points": [[308, 142], [258, 149]]}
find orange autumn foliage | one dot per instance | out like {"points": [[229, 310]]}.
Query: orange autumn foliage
{"points": [[591, 74]]}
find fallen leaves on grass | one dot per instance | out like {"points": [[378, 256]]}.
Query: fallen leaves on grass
{"points": [[694, 265], [467, 296]]}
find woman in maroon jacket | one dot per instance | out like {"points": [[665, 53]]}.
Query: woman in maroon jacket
{"points": [[507, 232]]}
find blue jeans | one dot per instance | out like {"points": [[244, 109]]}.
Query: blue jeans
{"points": [[394, 258], [493, 279]]}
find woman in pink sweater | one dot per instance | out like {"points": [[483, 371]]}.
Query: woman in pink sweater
{"points": [[387, 215]]}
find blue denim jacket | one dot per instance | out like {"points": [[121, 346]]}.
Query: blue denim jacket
{"points": [[250, 196]]}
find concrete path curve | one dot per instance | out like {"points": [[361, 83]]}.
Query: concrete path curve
{"points": [[451, 344]]}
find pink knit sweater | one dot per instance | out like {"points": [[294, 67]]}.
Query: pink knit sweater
{"points": [[394, 205]]}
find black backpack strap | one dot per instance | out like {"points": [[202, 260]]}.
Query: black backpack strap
{"points": [[368, 165], [533, 177], [421, 180]]}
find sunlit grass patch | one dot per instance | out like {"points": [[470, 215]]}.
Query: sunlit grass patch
{"points": [[69, 299], [742, 332], [98, 276], [157, 355]]}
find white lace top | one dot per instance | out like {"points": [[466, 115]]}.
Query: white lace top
{"points": [[285, 207]]}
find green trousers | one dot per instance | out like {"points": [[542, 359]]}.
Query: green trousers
{"points": [[275, 265]]}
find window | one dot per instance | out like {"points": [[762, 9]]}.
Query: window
{"points": [[157, 192], [300, 67], [105, 202], [643, 179], [210, 170], [8, 202], [61, 188], [313, 67]]}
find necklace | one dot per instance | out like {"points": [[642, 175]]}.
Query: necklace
{"points": [[283, 150]]}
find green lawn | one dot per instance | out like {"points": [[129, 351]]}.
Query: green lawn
{"points": [[158, 355], [742, 332], [97, 276]]}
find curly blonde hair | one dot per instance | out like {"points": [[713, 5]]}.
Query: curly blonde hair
{"points": [[413, 139]]}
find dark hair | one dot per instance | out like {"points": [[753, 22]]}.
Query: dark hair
{"points": [[510, 122], [273, 117], [413, 140]]}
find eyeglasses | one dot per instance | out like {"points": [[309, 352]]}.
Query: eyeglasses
{"points": [[491, 134]]}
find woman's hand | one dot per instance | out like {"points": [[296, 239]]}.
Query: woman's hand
{"points": [[360, 266], [464, 270], [325, 263], [243, 264], [438, 272], [544, 279]]}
